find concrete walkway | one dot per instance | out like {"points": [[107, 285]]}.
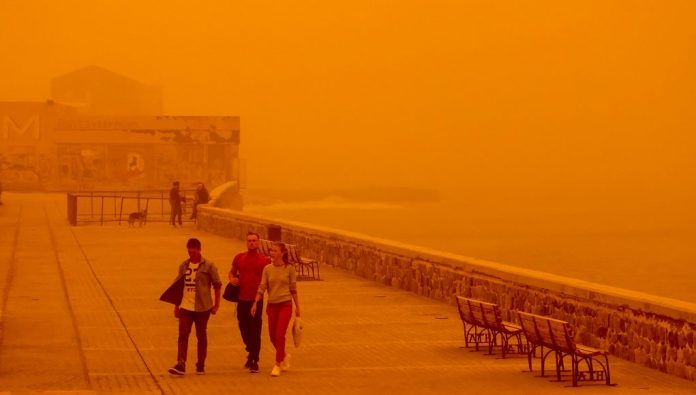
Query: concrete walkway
{"points": [[80, 314]]}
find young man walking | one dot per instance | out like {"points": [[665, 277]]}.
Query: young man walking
{"points": [[246, 271], [196, 276]]}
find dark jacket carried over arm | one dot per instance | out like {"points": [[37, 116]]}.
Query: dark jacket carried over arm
{"points": [[207, 277], [175, 292]]}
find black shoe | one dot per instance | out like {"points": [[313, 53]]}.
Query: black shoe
{"points": [[247, 365], [254, 368], [200, 369], [177, 370]]}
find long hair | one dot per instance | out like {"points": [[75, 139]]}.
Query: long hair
{"points": [[283, 250]]}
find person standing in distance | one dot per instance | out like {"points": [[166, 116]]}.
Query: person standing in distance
{"points": [[197, 304], [246, 271], [280, 280], [175, 200]]}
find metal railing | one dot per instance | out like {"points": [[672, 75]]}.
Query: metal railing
{"points": [[116, 206]]}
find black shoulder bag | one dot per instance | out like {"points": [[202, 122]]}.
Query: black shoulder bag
{"points": [[231, 293]]}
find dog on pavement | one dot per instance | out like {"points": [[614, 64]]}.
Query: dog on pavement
{"points": [[138, 216]]}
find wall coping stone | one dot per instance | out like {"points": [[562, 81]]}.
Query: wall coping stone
{"points": [[600, 293]]}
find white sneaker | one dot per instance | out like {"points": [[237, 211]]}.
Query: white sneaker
{"points": [[276, 371], [285, 365]]}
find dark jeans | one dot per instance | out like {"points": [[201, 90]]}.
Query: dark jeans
{"points": [[186, 319], [176, 213], [194, 211], [250, 327]]}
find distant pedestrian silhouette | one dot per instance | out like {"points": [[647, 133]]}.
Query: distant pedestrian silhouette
{"points": [[201, 197], [175, 201]]}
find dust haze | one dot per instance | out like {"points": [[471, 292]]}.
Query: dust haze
{"points": [[525, 109]]}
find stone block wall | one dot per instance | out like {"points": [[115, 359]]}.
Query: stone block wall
{"points": [[653, 331]]}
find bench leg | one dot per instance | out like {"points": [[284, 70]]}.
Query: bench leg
{"points": [[530, 350], [471, 335], [505, 343], [574, 370], [494, 336], [508, 347], [559, 363], [606, 368], [467, 333], [543, 359], [592, 374]]}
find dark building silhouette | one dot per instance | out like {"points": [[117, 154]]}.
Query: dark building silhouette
{"points": [[94, 90]]}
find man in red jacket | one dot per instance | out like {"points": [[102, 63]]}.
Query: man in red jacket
{"points": [[246, 271]]}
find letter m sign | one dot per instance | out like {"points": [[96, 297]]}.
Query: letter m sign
{"points": [[28, 130]]}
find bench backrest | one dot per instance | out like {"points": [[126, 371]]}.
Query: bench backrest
{"points": [[529, 327], [475, 312], [548, 332], [293, 253], [491, 315], [479, 313], [560, 330], [465, 310], [265, 247]]}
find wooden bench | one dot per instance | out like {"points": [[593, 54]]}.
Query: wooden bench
{"points": [[265, 246], [557, 336], [307, 269], [486, 326]]}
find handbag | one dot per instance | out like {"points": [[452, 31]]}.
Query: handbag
{"points": [[297, 329], [231, 293]]}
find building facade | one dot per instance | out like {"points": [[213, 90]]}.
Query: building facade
{"points": [[57, 147]]}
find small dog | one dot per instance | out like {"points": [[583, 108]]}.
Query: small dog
{"points": [[139, 216]]}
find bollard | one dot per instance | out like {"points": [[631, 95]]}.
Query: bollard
{"points": [[274, 232]]}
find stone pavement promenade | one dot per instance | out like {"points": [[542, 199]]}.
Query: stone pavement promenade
{"points": [[80, 314]]}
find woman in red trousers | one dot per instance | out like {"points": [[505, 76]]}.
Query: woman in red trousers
{"points": [[280, 281]]}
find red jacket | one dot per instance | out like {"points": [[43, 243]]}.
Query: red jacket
{"points": [[248, 267]]}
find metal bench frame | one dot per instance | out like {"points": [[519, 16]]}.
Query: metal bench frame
{"points": [[558, 337], [306, 268], [486, 326]]}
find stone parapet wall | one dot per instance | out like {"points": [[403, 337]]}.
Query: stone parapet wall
{"points": [[653, 331]]}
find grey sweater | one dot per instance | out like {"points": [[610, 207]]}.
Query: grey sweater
{"points": [[279, 281]]}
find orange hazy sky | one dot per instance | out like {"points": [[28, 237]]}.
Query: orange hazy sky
{"points": [[536, 96]]}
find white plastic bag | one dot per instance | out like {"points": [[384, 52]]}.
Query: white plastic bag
{"points": [[297, 329]]}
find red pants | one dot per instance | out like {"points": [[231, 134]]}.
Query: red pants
{"points": [[279, 315]]}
